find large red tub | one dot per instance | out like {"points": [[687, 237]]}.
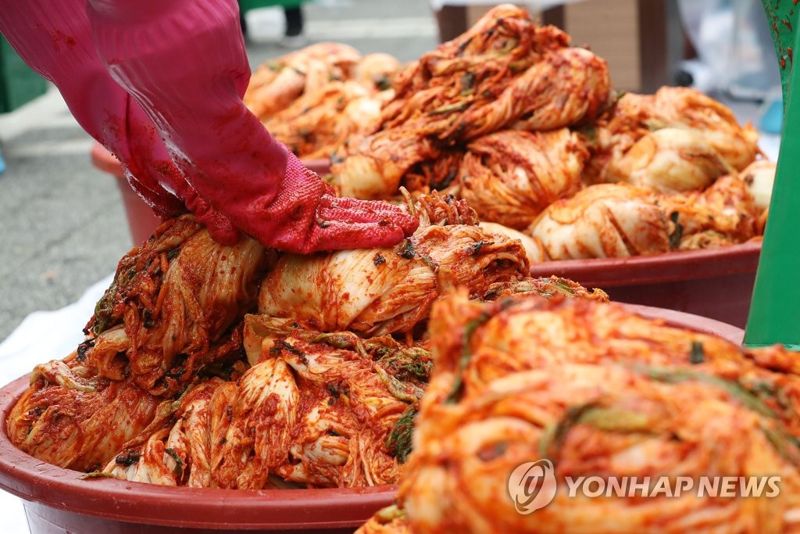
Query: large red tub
{"points": [[62, 501], [141, 219], [59, 500], [716, 283]]}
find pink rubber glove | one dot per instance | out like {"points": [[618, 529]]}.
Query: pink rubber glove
{"points": [[55, 39], [184, 62]]}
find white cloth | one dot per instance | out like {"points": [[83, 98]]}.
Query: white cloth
{"points": [[42, 336], [770, 144]]}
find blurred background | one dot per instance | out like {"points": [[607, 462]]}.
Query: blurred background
{"points": [[62, 224]]}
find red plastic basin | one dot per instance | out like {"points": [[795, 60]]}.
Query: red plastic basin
{"points": [[714, 283], [319, 166], [141, 219], [58, 500]]}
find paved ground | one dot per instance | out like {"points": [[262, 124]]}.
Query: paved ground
{"points": [[62, 226]]}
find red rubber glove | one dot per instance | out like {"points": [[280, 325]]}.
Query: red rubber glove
{"points": [[55, 38], [184, 62]]}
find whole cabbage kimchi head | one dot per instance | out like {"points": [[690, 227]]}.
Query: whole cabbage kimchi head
{"points": [[176, 300], [175, 307], [72, 418], [602, 221], [509, 177], [384, 291]]}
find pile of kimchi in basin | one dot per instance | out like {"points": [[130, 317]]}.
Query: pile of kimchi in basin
{"points": [[530, 131], [439, 365]]}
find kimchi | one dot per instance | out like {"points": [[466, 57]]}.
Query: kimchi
{"points": [[598, 391]]}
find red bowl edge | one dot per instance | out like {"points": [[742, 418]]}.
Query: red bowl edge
{"points": [[34, 480], [698, 323], [660, 268], [320, 166]]}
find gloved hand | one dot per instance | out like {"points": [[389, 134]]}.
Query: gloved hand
{"points": [[184, 63], [55, 39]]}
